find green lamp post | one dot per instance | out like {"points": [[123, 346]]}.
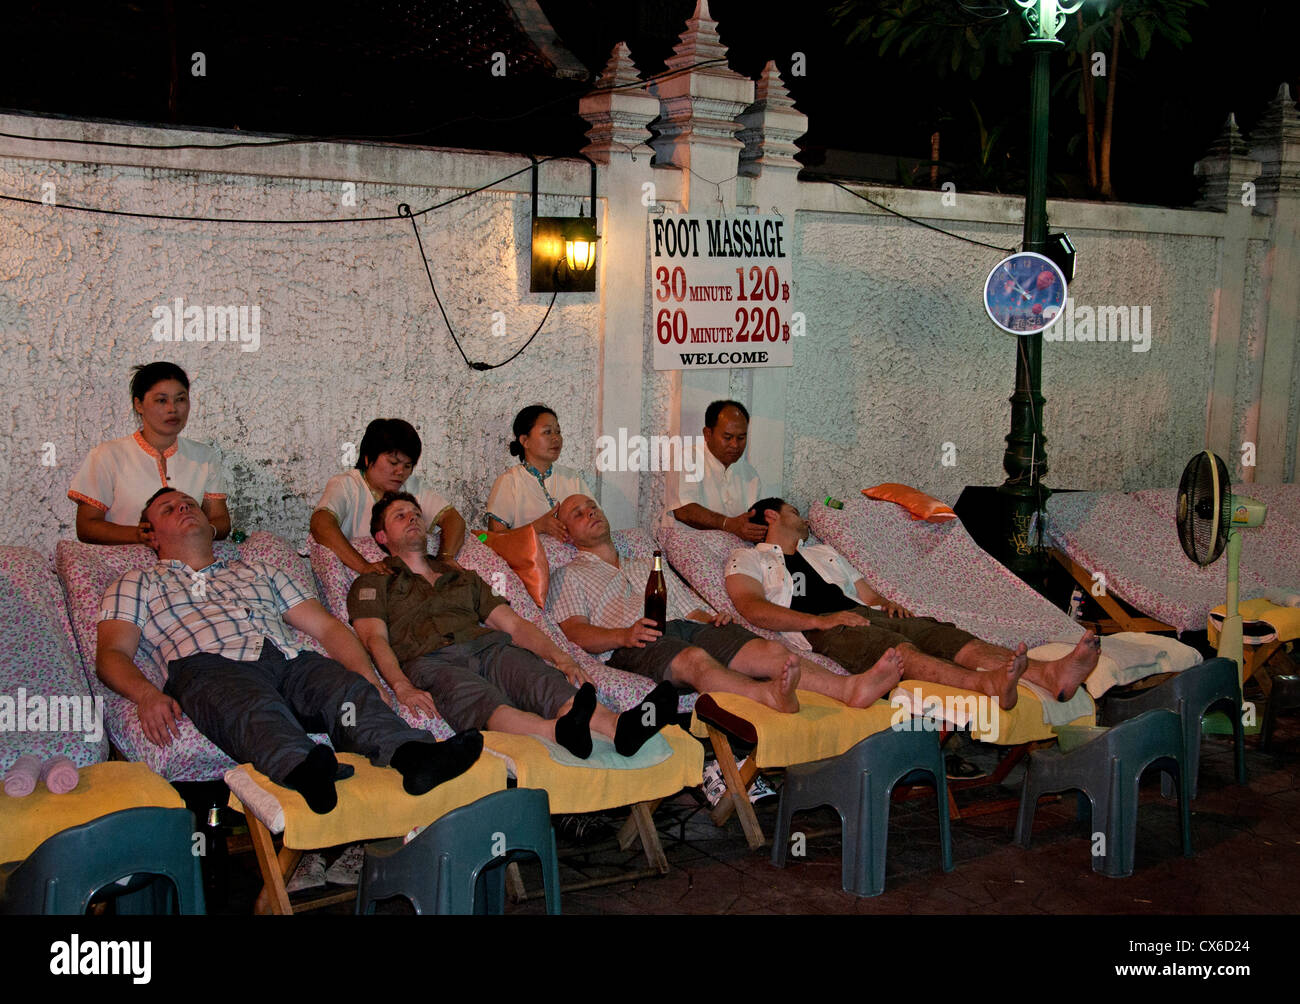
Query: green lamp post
{"points": [[1025, 459]]}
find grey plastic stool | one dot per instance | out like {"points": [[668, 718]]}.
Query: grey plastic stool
{"points": [[151, 846], [1191, 693], [1285, 696], [456, 865], [858, 784], [1107, 770]]}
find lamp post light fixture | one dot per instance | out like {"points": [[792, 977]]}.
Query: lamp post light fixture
{"points": [[564, 248], [1025, 458]]}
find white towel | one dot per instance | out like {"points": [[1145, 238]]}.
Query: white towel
{"points": [[256, 799], [1287, 596]]}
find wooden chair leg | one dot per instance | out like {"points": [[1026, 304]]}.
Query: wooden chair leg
{"points": [[273, 898], [645, 825], [738, 783], [515, 888], [629, 833]]}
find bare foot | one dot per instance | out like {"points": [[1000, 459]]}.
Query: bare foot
{"points": [[866, 688], [1067, 673], [779, 694], [1001, 683]]}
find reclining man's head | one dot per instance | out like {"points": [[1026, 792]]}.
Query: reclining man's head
{"points": [[782, 520], [178, 522], [584, 520], [398, 525]]}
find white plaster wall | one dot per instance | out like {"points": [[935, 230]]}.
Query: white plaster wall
{"points": [[349, 332], [900, 358]]}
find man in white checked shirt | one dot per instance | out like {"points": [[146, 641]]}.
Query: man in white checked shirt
{"points": [[598, 600], [222, 630]]}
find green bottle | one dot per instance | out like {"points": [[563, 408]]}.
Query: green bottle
{"points": [[833, 503]]}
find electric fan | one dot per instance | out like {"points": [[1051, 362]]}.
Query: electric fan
{"points": [[1210, 519]]}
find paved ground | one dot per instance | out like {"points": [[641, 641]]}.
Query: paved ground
{"points": [[1246, 838]]}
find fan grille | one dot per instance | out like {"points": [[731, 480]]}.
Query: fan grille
{"points": [[1204, 508]]}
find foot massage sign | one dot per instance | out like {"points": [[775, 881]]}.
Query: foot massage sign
{"points": [[721, 288]]}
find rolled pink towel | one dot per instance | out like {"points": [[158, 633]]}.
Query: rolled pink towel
{"points": [[59, 774], [21, 778]]}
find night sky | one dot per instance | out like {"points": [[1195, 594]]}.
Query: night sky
{"points": [[418, 72]]}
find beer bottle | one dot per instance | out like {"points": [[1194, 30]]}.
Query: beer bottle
{"points": [[656, 595]]}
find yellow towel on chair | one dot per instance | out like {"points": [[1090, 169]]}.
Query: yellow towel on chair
{"points": [[823, 727], [372, 803], [586, 789], [25, 823], [1285, 619]]}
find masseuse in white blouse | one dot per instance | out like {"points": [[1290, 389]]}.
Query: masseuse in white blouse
{"points": [[389, 451], [530, 490], [119, 476]]}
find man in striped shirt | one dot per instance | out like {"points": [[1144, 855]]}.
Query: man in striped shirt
{"points": [[222, 633]]}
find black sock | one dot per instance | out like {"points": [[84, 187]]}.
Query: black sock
{"points": [[573, 730], [424, 766], [313, 779], [633, 731]]}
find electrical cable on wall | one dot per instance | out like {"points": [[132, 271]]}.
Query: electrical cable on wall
{"points": [[404, 212]]}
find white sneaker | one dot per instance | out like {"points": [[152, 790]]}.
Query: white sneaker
{"points": [[760, 790], [346, 869], [715, 785], [310, 873]]}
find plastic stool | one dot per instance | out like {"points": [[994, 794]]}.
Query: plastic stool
{"points": [[65, 872], [1107, 770], [857, 784], [457, 864], [1285, 696], [1191, 694]]}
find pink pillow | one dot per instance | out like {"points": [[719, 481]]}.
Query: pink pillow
{"points": [[919, 504]]}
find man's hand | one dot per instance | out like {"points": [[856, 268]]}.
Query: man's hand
{"points": [[641, 634], [550, 524], [874, 599], [843, 618], [742, 527], [717, 619], [144, 532], [575, 674], [412, 697], [160, 718], [374, 566]]}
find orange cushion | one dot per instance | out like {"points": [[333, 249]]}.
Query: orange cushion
{"points": [[919, 504], [523, 552]]}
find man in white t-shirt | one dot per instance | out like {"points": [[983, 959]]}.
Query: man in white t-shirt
{"points": [[723, 497], [822, 603]]}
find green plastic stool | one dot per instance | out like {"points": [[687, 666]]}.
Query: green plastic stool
{"points": [[1204, 687], [152, 847], [858, 784], [1107, 770], [456, 865]]}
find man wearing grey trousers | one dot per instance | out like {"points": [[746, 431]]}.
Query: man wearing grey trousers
{"points": [[449, 645], [224, 632]]}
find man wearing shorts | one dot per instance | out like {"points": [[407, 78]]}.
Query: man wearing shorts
{"points": [[598, 602], [823, 604]]}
